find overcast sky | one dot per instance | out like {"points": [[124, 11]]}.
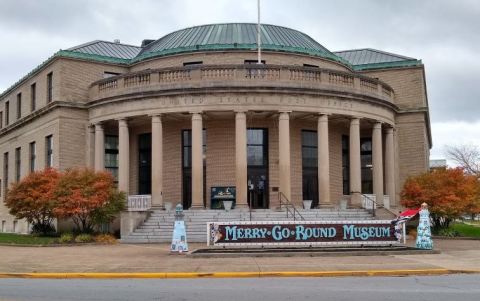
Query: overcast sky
{"points": [[444, 34]]}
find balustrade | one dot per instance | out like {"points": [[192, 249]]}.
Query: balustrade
{"points": [[139, 202], [243, 74], [137, 80]]}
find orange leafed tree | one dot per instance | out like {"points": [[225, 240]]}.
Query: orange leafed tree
{"points": [[33, 198], [83, 193], [449, 193]]}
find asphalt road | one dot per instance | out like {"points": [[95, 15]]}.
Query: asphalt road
{"points": [[438, 288]]}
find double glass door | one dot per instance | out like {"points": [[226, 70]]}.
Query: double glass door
{"points": [[257, 168]]}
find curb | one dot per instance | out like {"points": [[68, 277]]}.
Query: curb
{"points": [[420, 272]]}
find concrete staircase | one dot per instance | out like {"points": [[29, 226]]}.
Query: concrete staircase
{"points": [[158, 227]]}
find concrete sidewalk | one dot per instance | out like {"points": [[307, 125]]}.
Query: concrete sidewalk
{"points": [[122, 258]]}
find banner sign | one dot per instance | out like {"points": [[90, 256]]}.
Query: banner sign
{"points": [[366, 232]]}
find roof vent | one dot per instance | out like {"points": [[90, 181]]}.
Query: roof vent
{"points": [[146, 42], [116, 41]]}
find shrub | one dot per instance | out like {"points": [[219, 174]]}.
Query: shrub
{"points": [[105, 239], [449, 232], [88, 197], [33, 198], [84, 238], [66, 238]]}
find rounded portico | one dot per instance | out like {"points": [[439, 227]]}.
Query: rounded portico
{"points": [[315, 130]]}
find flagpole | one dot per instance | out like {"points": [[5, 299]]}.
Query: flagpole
{"points": [[259, 42]]}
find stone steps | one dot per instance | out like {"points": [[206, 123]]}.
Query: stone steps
{"points": [[159, 226]]}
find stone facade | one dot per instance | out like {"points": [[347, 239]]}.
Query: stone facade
{"points": [[217, 90]]}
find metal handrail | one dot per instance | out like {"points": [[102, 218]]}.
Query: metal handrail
{"points": [[376, 204], [287, 203]]}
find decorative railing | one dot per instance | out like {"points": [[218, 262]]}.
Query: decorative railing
{"points": [[242, 75], [136, 80], [139, 202], [107, 85]]}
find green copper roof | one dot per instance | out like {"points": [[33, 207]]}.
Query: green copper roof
{"points": [[235, 36], [365, 59]]}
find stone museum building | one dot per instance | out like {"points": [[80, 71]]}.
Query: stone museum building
{"points": [[178, 119]]}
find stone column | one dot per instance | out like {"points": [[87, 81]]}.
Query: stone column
{"points": [[157, 161], [323, 162], [355, 165], [390, 165], [284, 154], [123, 156], [241, 159], [377, 162], [99, 147], [90, 146], [197, 161]]}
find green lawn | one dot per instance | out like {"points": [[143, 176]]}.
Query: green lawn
{"points": [[21, 239], [466, 230]]}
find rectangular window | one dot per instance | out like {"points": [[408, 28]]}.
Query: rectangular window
{"points": [[248, 62], [309, 149], [346, 164], [18, 163], [19, 105], [33, 97], [7, 113], [49, 151], [193, 63], [32, 155], [5, 172], [111, 155], [49, 87], [311, 66], [256, 147], [1, 119]]}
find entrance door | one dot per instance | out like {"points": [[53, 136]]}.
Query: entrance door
{"points": [[310, 167], [257, 169], [310, 186]]}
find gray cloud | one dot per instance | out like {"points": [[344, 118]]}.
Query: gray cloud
{"points": [[444, 34]]}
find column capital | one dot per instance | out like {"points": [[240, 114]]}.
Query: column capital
{"points": [[284, 115], [98, 126], [322, 117], [377, 125], [240, 111], [122, 121], [156, 118]]}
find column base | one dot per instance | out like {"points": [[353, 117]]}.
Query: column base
{"points": [[241, 206], [356, 200], [326, 206], [197, 207]]}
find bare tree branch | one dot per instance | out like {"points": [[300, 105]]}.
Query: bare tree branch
{"points": [[466, 156]]}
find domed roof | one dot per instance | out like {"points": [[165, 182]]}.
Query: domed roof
{"points": [[235, 36]]}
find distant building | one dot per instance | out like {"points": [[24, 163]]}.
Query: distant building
{"points": [[438, 164], [177, 117]]}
